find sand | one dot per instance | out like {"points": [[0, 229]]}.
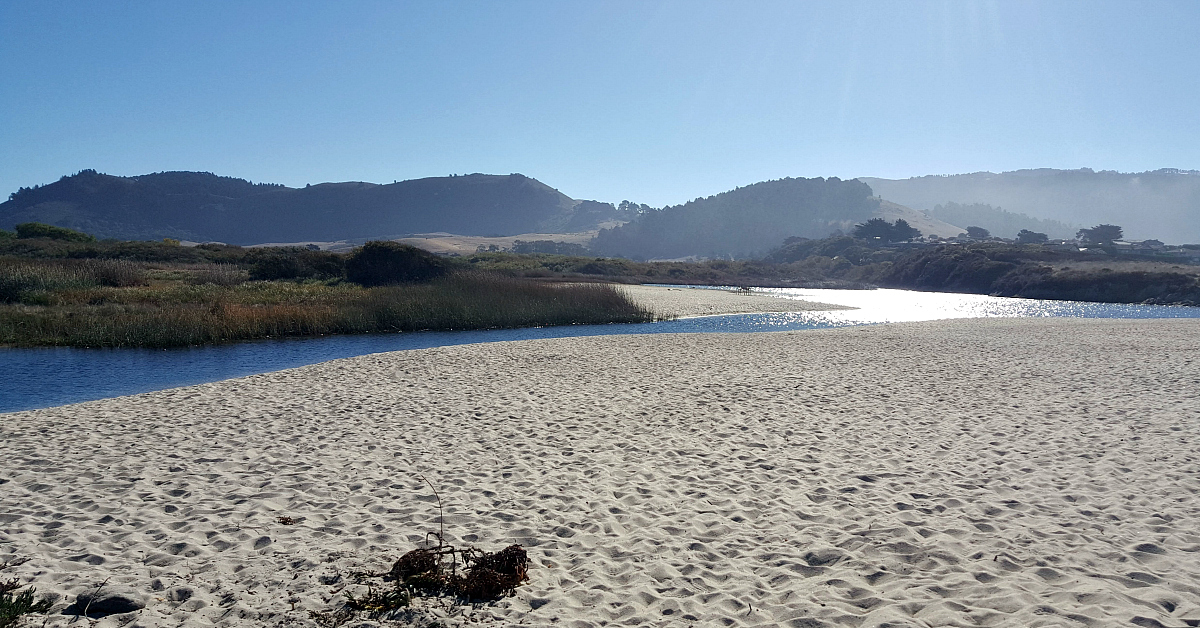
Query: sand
{"points": [[691, 302], [999, 472]]}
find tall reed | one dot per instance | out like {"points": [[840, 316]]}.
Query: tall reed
{"points": [[18, 276], [198, 314]]}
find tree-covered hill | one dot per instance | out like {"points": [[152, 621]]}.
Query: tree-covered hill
{"points": [[204, 207], [743, 222]]}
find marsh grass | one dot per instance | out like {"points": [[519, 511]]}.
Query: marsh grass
{"points": [[26, 281], [217, 274], [81, 313]]}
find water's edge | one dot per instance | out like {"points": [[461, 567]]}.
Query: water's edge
{"points": [[44, 377]]}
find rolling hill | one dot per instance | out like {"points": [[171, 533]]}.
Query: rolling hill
{"points": [[201, 206], [744, 222]]}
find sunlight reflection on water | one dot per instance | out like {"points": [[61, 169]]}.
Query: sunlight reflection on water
{"points": [[898, 306]]}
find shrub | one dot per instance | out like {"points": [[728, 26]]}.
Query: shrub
{"points": [[117, 273], [382, 263], [41, 230], [294, 263], [13, 605], [548, 247]]}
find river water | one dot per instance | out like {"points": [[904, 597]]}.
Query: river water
{"points": [[43, 377]]}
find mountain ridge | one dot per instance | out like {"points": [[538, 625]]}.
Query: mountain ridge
{"points": [[206, 207]]}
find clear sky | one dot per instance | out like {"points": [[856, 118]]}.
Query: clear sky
{"points": [[655, 102]]}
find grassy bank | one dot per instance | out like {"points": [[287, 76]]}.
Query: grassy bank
{"points": [[66, 304]]}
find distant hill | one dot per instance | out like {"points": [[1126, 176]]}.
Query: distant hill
{"points": [[927, 224], [201, 206], [748, 221], [1163, 204], [1000, 223]]}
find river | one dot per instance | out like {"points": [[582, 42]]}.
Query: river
{"points": [[43, 377]]}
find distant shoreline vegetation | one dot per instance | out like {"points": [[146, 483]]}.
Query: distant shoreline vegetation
{"points": [[109, 295], [60, 287]]}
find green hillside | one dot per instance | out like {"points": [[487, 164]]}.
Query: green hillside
{"points": [[743, 222], [202, 207]]}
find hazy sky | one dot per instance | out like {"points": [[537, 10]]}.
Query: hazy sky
{"points": [[656, 102]]}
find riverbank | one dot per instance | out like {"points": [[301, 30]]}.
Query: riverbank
{"points": [[979, 472]]}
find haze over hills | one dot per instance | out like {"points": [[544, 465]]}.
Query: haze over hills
{"points": [[1000, 222], [1162, 204], [205, 207], [743, 222]]}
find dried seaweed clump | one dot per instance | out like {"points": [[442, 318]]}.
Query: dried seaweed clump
{"points": [[487, 575], [442, 569], [492, 575]]}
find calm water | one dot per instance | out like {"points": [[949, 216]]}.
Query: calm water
{"points": [[37, 378]]}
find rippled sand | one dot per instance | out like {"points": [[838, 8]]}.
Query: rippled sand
{"points": [[1000, 472]]}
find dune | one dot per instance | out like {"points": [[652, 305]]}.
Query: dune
{"points": [[989, 472]]}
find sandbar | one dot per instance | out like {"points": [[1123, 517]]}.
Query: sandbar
{"points": [[682, 302], [989, 472]]}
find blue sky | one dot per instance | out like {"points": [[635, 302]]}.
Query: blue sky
{"points": [[656, 102]]}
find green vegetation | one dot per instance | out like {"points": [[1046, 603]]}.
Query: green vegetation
{"points": [[978, 233], [1100, 234], [1037, 272], [14, 605], [174, 310], [549, 247], [1026, 236], [33, 282], [40, 230], [708, 272], [200, 206], [881, 230], [384, 263], [158, 294], [1011, 270]]}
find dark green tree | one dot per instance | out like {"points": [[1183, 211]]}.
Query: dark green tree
{"points": [[1100, 234], [902, 231], [978, 233], [878, 229], [873, 229], [1026, 236]]}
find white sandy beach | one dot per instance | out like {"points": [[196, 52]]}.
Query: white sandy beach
{"points": [[997, 472]]}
